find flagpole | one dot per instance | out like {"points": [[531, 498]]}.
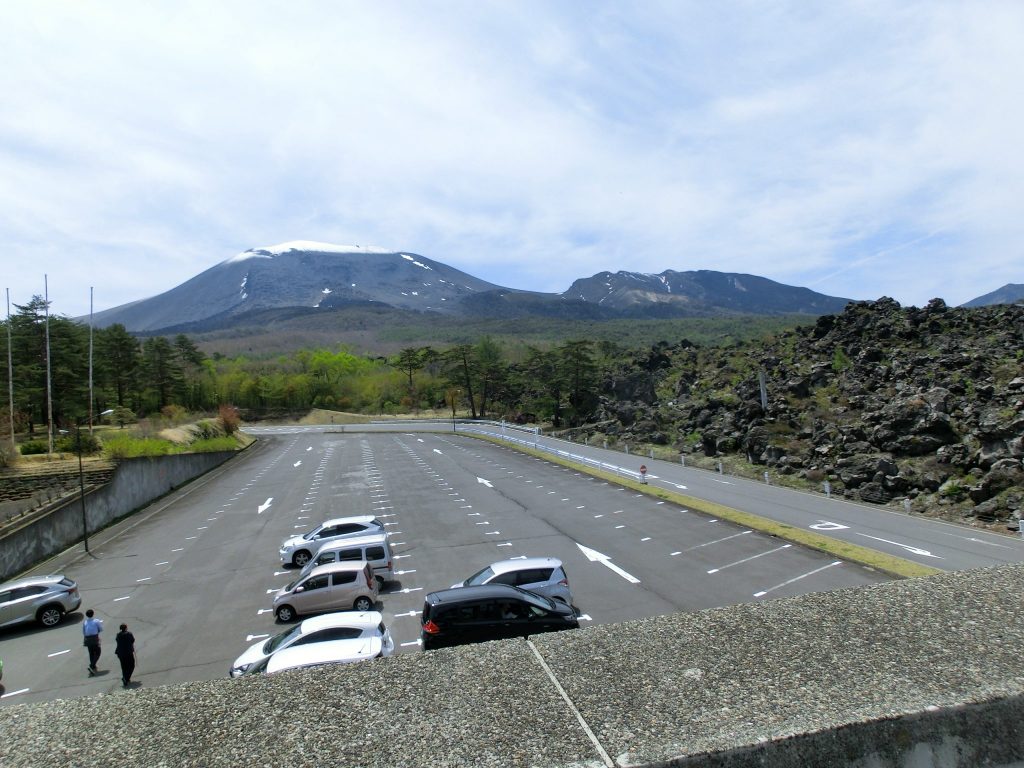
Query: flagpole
{"points": [[49, 396], [10, 370], [90, 359]]}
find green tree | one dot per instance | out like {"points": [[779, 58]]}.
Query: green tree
{"points": [[117, 359], [161, 370]]}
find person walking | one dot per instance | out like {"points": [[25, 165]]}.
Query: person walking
{"points": [[91, 629], [125, 654]]}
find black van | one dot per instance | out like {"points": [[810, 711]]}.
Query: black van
{"points": [[490, 612]]}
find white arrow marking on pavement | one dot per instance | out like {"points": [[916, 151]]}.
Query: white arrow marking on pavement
{"points": [[261, 611], [825, 525], [308, 449], [57, 653], [584, 617], [437, 451], [402, 573], [680, 486], [410, 613], [264, 506], [250, 638], [908, 547], [272, 590], [413, 642], [297, 463], [485, 482], [594, 556], [407, 590], [281, 573]]}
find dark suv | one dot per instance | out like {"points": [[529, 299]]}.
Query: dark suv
{"points": [[490, 612]]}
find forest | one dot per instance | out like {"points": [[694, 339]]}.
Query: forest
{"points": [[132, 378]]}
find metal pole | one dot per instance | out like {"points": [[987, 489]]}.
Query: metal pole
{"points": [[90, 360], [81, 482], [10, 370], [49, 396]]}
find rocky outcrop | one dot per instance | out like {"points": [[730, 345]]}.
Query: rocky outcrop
{"points": [[888, 403]]}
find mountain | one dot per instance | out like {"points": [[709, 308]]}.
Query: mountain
{"points": [[319, 276], [699, 293], [1011, 293]]}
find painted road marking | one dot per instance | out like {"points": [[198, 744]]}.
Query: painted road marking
{"points": [[264, 506], [119, 599], [594, 556], [250, 638], [802, 576], [484, 482], [57, 653], [748, 559], [908, 547]]}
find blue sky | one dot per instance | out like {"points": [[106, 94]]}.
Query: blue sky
{"points": [[861, 149]]}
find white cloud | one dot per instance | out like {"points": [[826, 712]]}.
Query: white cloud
{"points": [[861, 149]]}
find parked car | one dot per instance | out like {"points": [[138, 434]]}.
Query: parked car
{"points": [[332, 587], [373, 548], [543, 575], [297, 550], [46, 599], [320, 654], [490, 612], [345, 625]]}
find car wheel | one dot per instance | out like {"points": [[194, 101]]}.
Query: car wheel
{"points": [[363, 604], [300, 558], [50, 616], [286, 613]]}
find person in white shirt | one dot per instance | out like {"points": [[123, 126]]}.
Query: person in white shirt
{"points": [[91, 629]]}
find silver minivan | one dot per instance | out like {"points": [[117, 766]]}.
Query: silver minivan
{"points": [[373, 548], [341, 586]]}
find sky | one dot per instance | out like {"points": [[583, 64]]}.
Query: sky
{"points": [[860, 149]]}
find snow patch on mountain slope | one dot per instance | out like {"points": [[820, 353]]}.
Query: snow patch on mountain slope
{"points": [[270, 251]]}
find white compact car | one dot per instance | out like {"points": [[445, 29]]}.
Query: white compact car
{"points": [[320, 654], [297, 550]]}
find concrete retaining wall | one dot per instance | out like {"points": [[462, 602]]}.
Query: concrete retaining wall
{"points": [[136, 483]]}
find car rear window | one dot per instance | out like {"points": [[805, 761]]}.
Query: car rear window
{"points": [[346, 577], [375, 553]]}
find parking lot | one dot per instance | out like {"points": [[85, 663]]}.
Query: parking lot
{"points": [[193, 574]]}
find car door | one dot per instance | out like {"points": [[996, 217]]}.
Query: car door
{"points": [[7, 610], [22, 602], [314, 596], [343, 590]]}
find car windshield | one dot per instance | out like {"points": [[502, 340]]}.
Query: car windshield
{"points": [[311, 534], [480, 577], [280, 639], [291, 586], [539, 600]]}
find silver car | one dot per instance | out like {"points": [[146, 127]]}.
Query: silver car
{"points": [[348, 585], [542, 575], [297, 550], [45, 599]]}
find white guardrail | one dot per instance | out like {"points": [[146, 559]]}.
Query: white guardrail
{"points": [[528, 436]]}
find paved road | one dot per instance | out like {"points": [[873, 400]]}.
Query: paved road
{"points": [[191, 574]]}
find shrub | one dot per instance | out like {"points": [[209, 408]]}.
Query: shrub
{"points": [[229, 418], [71, 443], [30, 447]]}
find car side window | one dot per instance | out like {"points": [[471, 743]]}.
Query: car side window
{"points": [[326, 557], [533, 575], [5, 597], [350, 554], [512, 577], [22, 592], [375, 553], [332, 633], [346, 577], [347, 528], [317, 582], [326, 533]]}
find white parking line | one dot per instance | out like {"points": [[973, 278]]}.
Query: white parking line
{"points": [[14, 693], [764, 592], [748, 559], [57, 653]]}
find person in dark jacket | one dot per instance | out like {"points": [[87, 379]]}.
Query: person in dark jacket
{"points": [[125, 654]]}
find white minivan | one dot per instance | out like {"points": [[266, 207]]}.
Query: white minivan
{"points": [[373, 548]]}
